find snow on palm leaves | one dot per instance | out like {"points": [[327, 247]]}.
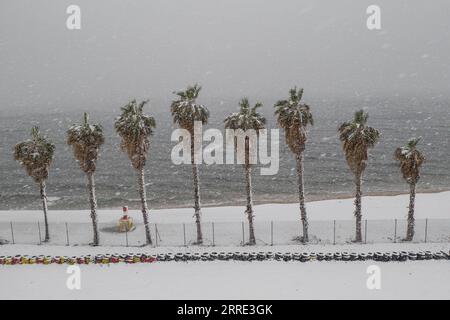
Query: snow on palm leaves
{"points": [[294, 118], [357, 138], [86, 140], [410, 160], [185, 110], [247, 119], [135, 128], [35, 155]]}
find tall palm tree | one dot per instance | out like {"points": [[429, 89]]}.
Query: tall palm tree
{"points": [[135, 129], [294, 117], [357, 137], [410, 160], [36, 155], [86, 140], [247, 119], [185, 112]]}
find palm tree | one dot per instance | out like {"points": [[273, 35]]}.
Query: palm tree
{"points": [[36, 155], [247, 119], [86, 140], [294, 117], [356, 139], [185, 112], [410, 160], [135, 129]]}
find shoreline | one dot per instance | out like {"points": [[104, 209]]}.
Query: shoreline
{"points": [[265, 199], [308, 199], [375, 207]]}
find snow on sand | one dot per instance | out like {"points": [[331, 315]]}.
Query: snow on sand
{"points": [[229, 280], [237, 280], [428, 205]]}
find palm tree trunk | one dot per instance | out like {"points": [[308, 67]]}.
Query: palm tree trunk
{"points": [[45, 209], [358, 215], [248, 178], [301, 196], [93, 203], [412, 200], [143, 196], [196, 193]]}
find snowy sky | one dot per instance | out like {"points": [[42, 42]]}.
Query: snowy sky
{"points": [[138, 48]]}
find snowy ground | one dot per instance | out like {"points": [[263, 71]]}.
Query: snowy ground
{"points": [[380, 213], [228, 279], [232, 279], [428, 205]]}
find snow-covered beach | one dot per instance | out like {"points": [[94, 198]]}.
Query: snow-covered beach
{"points": [[229, 280], [331, 221], [428, 205], [225, 279]]}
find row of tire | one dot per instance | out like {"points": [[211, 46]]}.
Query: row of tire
{"points": [[225, 256]]}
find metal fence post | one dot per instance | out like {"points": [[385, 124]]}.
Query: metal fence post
{"points": [[243, 234], [395, 230], [213, 239], [156, 235], [184, 234], [334, 231], [39, 232], [426, 229], [67, 234], [365, 231], [271, 233], [12, 233]]}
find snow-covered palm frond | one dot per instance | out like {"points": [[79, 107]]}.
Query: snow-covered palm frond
{"points": [[185, 111], [294, 117], [410, 160], [135, 129], [86, 140], [357, 138], [35, 155], [247, 118]]}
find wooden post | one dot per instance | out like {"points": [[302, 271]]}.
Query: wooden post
{"points": [[243, 234], [426, 229], [271, 233], [126, 235], [365, 231], [334, 231], [12, 233], [39, 231], [184, 234], [67, 234], [213, 239], [156, 235], [395, 231]]}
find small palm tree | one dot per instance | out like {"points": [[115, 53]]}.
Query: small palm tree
{"points": [[357, 137], [86, 140], [247, 119], [36, 155], [410, 160], [294, 117], [185, 112], [135, 129]]}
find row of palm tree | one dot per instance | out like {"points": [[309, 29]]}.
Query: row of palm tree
{"points": [[135, 129]]}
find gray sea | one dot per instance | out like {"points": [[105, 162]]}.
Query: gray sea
{"points": [[169, 185]]}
